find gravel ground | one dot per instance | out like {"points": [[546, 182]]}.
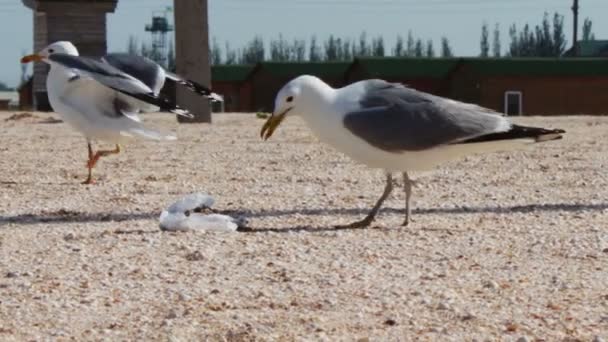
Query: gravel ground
{"points": [[503, 247]]}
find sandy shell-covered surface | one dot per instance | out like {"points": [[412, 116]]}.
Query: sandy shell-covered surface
{"points": [[502, 247]]}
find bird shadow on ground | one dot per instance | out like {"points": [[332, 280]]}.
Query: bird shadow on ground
{"points": [[66, 216], [309, 229], [555, 207], [529, 208], [36, 183]]}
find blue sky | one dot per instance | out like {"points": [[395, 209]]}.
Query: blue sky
{"points": [[237, 21]]}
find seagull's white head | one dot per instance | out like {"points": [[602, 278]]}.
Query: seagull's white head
{"points": [[297, 97], [63, 47]]}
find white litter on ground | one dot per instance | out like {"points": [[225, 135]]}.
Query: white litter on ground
{"points": [[189, 213], [192, 202]]}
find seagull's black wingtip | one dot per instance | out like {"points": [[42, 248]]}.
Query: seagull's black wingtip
{"points": [[520, 132]]}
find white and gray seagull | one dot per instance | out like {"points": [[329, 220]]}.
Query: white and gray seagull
{"points": [[101, 98], [399, 129]]}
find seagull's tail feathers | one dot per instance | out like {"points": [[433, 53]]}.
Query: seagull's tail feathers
{"points": [[515, 138], [148, 134], [195, 87], [516, 132]]}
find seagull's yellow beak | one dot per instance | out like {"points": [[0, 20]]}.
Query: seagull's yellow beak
{"points": [[31, 58], [272, 123]]}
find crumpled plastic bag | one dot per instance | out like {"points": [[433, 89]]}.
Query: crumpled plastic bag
{"points": [[188, 213]]}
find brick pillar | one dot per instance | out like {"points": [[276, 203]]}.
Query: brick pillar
{"points": [[192, 55], [81, 22]]}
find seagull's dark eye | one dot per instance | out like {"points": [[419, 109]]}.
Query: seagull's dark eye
{"points": [[289, 99], [51, 50]]}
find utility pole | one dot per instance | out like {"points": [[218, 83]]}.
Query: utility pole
{"points": [[192, 55], [575, 31]]}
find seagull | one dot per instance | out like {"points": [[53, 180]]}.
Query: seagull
{"points": [[396, 128], [101, 98]]}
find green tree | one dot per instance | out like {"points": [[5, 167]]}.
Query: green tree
{"points": [[347, 49], [377, 47], [545, 40], [484, 43], [215, 52], [496, 49], [280, 50], [339, 49], [410, 44], [331, 49], [314, 52], [399, 50], [298, 50], [430, 50], [446, 49], [559, 37], [254, 51], [514, 45], [419, 48], [364, 49], [588, 30], [231, 55], [526, 38]]}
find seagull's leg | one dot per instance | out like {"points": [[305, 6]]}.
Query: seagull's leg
{"points": [[94, 158], [372, 214], [407, 187], [89, 179]]}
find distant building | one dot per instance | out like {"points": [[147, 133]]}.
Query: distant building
{"points": [[9, 100], [231, 81], [26, 96], [426, 74], [590, 48], [533, 86], [515, 86], [267, 78]]}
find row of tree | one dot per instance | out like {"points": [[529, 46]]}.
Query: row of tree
{"points": [[546, 39], [331, 49]]}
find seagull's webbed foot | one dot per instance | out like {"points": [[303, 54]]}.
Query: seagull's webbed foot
{"points": [[366, 222], [89, 180]]}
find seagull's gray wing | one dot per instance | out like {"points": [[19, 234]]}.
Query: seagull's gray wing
{"points": [[141, 68], [115, 79], [153, 75], [396, 118], [90, 98]]}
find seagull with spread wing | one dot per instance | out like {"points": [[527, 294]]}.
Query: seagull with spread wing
{"points": [[101, 98], [398, 129]]}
